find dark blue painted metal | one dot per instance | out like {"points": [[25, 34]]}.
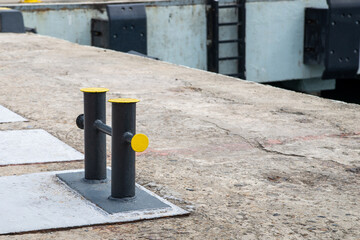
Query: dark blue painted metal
{"points": [[122, 155], [332, 38], [11, 21], [99, 192], [127, 27], [343, 39], [94, 140], [213, 34]]}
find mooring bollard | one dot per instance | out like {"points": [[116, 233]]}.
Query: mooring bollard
{"points": [[119, 194], [123, 147], [95, 141], [124, 143]]}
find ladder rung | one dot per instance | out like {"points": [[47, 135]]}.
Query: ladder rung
{"points": [[230, 6], [229, 23], [229, 58], [229, 41]]}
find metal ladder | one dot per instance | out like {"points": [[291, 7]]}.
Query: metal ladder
{"points": [[213, 32]]}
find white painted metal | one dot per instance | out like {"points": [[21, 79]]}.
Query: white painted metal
{"points": [[40, 201], [8, 116], [34, 146], [73, 25], [275, 40], [177, 34]]}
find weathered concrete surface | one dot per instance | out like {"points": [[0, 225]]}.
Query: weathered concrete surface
{"points": [[250, 161]]}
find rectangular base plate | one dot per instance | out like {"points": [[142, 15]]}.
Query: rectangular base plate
{"points": [[99, 193], [41, 201], [34, 146], [7, 116]]}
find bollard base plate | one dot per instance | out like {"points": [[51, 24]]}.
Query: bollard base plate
{"points": [[41, 201], [99, 194]]}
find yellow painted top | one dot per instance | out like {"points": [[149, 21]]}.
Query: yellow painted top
{"points": [[31, 1], [94, 90], [124, 100], [4, 8], [139, 142]]}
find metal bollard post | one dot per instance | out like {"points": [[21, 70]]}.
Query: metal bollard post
{"points": [[125, 196], [123, 146], [95, 141]]}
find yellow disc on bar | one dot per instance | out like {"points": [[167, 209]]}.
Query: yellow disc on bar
{"points": [[139, 142], [94, 90], [124, 100]]}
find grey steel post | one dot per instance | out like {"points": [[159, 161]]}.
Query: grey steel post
{"points": [[123, 156], [95, 140]]}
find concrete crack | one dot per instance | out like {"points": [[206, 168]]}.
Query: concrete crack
{"points": [[228, 131], [262, 147], [255, 143], [217, 126]]}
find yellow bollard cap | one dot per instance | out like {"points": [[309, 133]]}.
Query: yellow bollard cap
{"points": [[94, 90], [30, 1], [139, 142], [124, 100]]}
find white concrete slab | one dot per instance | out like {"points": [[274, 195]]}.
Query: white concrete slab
{"points": [[8, 116], [40, 201], [34, 146]]}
